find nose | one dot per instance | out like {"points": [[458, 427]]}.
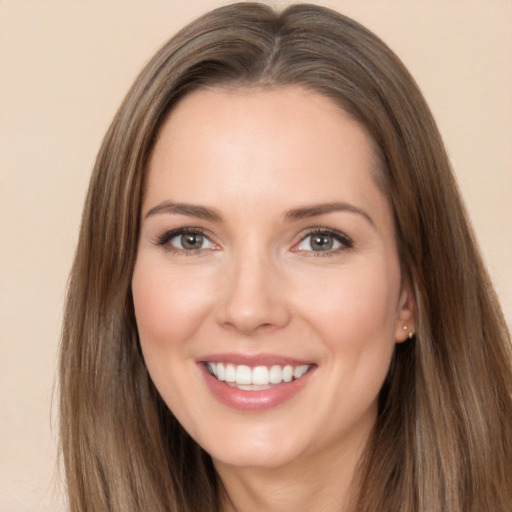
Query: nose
{"points": [[253, 296]]}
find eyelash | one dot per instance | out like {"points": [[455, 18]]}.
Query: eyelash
{"points": [[345, 241], [164, 239]]}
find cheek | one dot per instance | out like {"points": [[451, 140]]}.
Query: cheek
{"points": [[355, 306], [169, 306], [355, 320]]}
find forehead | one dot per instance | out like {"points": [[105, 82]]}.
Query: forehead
{"points": [[287, 144]]}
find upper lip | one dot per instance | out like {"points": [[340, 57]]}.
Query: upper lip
{"points": [[253, 359]]}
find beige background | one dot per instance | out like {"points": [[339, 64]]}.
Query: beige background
{"points": [[64, 68]]}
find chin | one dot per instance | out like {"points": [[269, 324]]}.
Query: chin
{"points": [[253, 450], [252, 457]]}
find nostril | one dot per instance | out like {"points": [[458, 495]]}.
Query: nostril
{"points": [[249, 327]]}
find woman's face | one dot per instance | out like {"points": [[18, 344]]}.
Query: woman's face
{"points": [[267, 257]]}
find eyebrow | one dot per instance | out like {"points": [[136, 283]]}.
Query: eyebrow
{"points": [[302, 212], [191, 210], [315, 210]]}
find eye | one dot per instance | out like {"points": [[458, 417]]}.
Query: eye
{"points": [[323, 241], [186, 239]]}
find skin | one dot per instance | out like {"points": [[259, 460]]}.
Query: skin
{"points": [[256, 286]]}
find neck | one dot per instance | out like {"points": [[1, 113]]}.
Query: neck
{"points": [[325, 483]]}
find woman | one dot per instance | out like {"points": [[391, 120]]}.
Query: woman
{"points": [[277, 302]]}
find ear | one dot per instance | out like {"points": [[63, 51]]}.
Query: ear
{"points": [[405, 322]]}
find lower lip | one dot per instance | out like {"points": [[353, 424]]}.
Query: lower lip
{"points": [[254, 401]]}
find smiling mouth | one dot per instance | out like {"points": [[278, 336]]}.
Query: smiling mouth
{"points": [[256, 378]]}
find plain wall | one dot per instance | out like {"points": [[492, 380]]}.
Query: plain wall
{"points": [[64, 68]]}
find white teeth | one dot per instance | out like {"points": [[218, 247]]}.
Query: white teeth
{"points": [[229, 372], [246, 377], [220, 371], [276, 374], [243, 374], [260, 376], [299, 371], [288, 373], [212, 368]]}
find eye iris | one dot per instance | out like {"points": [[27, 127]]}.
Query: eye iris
{"points": [[321, 242], [192, 241]]}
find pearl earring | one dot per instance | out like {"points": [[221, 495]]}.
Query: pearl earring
{"points": [[411, 333]]}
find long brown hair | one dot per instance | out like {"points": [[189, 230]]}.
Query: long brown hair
{"points": [[443, 439]]}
